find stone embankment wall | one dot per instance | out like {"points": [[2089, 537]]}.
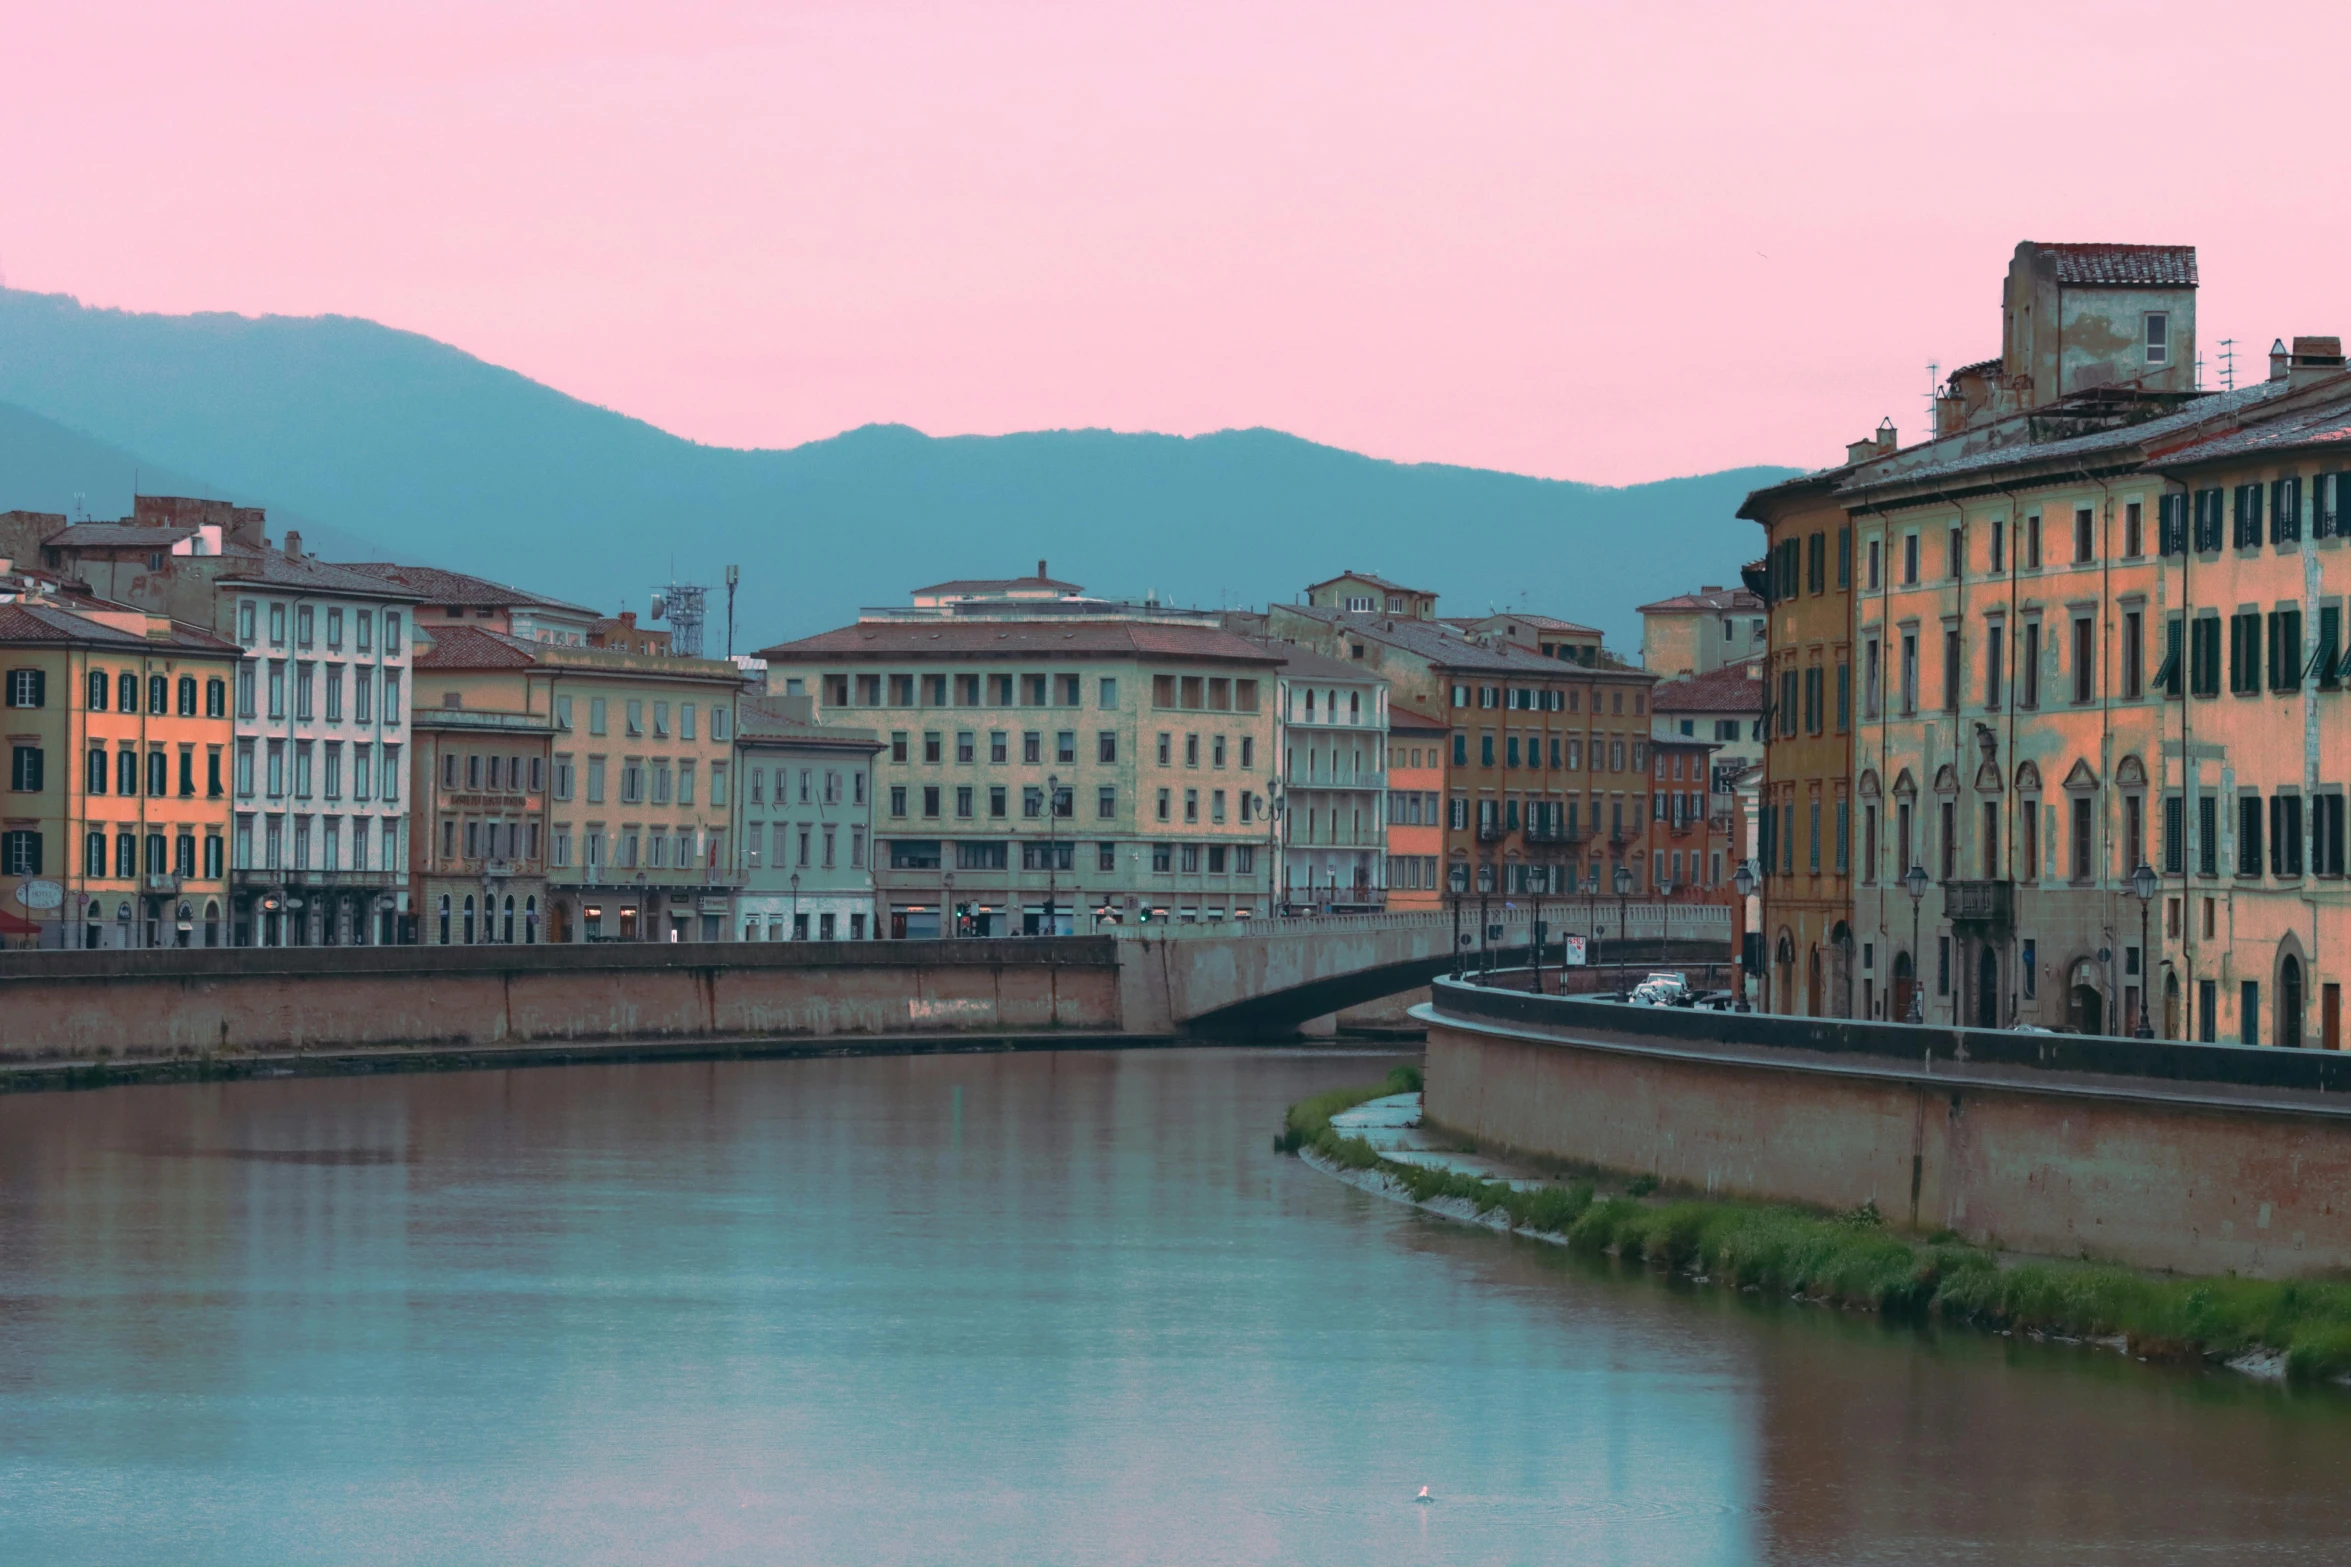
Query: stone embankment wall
{"points": [[2196, 1158], [132, 1005]]}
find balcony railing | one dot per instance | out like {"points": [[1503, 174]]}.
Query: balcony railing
{"points": [[1986, 903]]}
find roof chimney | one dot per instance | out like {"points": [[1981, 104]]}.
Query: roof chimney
{"points": [[2316, 359], [1040, 571], [293, 545], [2279, 360]]}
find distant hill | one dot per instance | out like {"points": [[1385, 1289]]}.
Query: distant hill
{"points": [[357, 432]]}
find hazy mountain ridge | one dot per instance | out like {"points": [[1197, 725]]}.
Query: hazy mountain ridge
{"points": [[352, 430]]}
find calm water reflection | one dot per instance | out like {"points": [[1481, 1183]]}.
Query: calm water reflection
{"points": [[982, 1309]]}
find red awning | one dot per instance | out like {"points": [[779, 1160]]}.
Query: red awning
{"points": [[17, 925]]}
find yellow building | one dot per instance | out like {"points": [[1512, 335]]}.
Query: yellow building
{"points": [[625, 831], [114, 825]]}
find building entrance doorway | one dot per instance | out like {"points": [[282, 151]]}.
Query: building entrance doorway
{"points": [[2085, 1010], [1905, 987], [1987, 988], [2290, 1002]]}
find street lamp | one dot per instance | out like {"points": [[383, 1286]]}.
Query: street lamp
{"points": [[795, 905], [2143, 883], [1052, 849], [1743, 883], [1624, 890], [1914, 882], [947, 914]]}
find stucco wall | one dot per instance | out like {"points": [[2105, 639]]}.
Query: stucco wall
{"points": [[2125, 1166]]}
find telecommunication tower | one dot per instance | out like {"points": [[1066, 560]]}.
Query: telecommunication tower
{"points": [[680, 603]]}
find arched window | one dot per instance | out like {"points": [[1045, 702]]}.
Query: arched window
{"points": [[212, 922], [530, 921], [507, 931], [187, 696], [444, 919], [469, 926]]}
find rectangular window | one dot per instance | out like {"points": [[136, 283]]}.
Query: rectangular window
{"points": [[2208, 835], [1909, 673], [1951, 669], [2084, 527], [2285, 649], [2085, 666], [1909, 560], [2132, 543], [2249, 835], [2082, 840], [1995, 651], [2171, 524], [2032, 541]]}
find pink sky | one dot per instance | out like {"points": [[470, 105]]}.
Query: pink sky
{"points": [[1612, 243]]}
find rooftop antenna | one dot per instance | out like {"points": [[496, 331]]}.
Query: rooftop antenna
{"points": [[1934, 378], [2228, 364], [681, 604], [734, 575]]}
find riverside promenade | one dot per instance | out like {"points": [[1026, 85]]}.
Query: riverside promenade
{"points": [[2206, 1159]]}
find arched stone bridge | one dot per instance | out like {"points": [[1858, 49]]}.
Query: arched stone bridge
{"points": [[246, 1008]]}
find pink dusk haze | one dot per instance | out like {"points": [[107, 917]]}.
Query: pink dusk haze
{"points": [[1606, 242]]}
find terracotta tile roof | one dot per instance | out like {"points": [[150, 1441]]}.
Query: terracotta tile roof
{"points": [[22, 622], [1379, 582], [1706, 600], [2325, 425], [1000, 585], [432, 585], [1021, 639], [1918, 465], [273, 568], [764, 718], [473, 647], [2124, 266], [115, 536], [1307, 664], [1730, 689], [1401, 719], [1442, 646]]}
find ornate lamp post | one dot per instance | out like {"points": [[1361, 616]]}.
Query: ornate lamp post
{"points": [[1624, 891], [1914, 882], [795, 905], [1743, 883], [1052, 850], [2143, 883]]}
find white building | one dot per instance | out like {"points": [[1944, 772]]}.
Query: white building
{"points": [[804, 820], [1331, 735], [319, 853]]}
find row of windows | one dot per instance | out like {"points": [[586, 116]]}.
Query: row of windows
{"points": [[489, 773], [1567, 752], [835, 785], [1007, 690], [304, 842], [305, 621], [637, 712], [658, 780], [176, 856], [2196, 520], [1534, 699], [817, 844], [929, 854], [633, 847], [304, 685], [125, 772], [120, 693], [1803, 565], [490, 839], [2302, 836], [374, 770], [1302, 706]]}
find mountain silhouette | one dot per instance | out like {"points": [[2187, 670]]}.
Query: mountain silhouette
{"points": [[384, 442]]}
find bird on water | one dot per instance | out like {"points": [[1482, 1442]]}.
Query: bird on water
{"points": [[1424, 1495]]}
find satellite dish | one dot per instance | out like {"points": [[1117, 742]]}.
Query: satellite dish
{"points": [[660, 605]]}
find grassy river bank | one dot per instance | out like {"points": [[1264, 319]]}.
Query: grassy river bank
{"points": [[2300, 1329]]}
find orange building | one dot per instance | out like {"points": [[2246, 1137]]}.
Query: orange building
{"points": [[113, 829], [1416, 810]]}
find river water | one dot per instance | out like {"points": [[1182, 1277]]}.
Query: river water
{"points": [[993, 1309]]}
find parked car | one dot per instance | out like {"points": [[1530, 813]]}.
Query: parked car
{"points": [[1662, 990]]}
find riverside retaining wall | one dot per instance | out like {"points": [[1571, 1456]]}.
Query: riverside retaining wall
{"points": [[2197, 1158], [134, 1005]]}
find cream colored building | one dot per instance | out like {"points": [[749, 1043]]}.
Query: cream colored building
{"points": [[1052, 769]]}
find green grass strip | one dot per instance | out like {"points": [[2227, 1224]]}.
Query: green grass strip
{"points": [[1853, 1260]]}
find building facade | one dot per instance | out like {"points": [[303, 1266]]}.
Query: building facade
{"points": [[804, 809], [1544, 761], [319, 848], [637, 792], [1416, 809], [1094, 763], [114, 825], [1698, 633], [1805, 801], [1331, 736]]}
